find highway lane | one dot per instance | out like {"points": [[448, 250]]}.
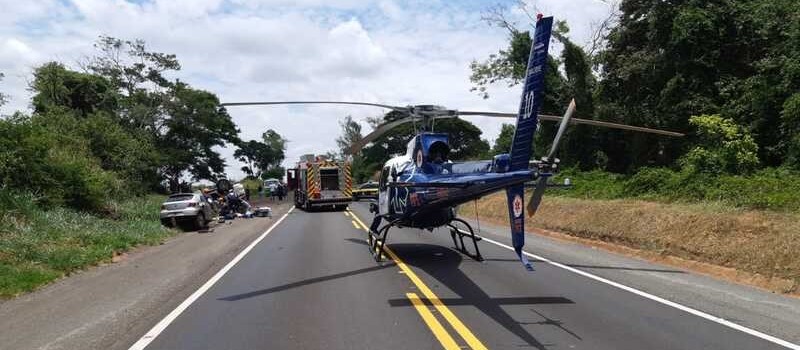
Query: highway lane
{"points": [[311, 284]]}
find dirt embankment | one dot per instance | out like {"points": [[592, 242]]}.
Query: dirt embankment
{"points": [[754, 247]]}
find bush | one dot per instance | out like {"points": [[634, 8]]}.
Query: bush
{"points": [[771, 188], [591, 184], [651, 181], [47, 155], [723, 147], [775, 189], [129, 154]]}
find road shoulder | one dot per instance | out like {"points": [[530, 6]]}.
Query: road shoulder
{"points": [[109, 307], [771, 313]]}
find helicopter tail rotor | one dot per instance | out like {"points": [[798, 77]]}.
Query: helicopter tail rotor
{"points": [[548, 164]]}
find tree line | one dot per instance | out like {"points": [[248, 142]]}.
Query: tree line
{"points": [[118, 126], [724, 72]]}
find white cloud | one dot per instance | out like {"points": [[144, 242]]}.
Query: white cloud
{"points": [[396, 52]]}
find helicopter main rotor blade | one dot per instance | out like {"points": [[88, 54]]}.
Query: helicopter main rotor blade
{"points": [[554, 118], [266, 103], [383, 128], [541, 185], [561, 128], [380, 130]]}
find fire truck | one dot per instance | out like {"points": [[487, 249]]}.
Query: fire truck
{"points": [[320, 183]]}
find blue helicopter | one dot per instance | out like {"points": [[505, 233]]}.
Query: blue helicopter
{"points": [[422, 188]]}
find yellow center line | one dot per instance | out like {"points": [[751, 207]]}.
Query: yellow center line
{"points": [[354, 224], [451, 318], [438, 331]]}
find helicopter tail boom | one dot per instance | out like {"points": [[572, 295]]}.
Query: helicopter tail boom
{"points": [[527, 120]]}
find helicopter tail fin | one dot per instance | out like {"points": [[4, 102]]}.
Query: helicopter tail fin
{"points": [[532, 96], [515, 195], [527, 120]]}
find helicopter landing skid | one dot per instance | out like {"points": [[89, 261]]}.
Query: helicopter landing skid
{"points": [[376, 241], [460, 233]]}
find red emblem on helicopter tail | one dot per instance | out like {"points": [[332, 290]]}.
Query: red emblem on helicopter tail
{"points": [[517, 205]]}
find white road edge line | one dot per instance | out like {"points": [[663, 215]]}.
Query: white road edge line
{"points": [[640, 293], [161, 325]]}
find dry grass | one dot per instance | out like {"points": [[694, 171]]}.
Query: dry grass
{"points": [[765, 245]]}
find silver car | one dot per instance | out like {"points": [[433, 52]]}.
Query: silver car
{"points": [[186, 208]]}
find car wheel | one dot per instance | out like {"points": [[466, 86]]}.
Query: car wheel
{"points": [[167, 223], [200, 221]]}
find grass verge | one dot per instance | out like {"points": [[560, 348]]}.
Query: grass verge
{"points": [[762, 243], [775, 189], [39, 245]]}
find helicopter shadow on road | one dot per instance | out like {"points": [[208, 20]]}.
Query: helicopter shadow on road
{"points": [[442, 263]]}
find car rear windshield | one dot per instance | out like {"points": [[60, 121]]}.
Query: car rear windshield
{"points": [[180, 197]]}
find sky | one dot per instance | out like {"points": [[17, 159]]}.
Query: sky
{"points": [[383, 51]]}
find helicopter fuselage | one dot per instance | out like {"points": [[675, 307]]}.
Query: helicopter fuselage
{"points": [[421, 191]]}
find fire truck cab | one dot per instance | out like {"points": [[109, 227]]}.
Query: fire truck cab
{"points": [[320, 183]]}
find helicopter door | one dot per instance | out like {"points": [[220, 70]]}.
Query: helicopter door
{"points": [[383, 191]]}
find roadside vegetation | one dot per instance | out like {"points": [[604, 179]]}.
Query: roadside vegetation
{"points": [[79, 171], [774, 189], [761, 243], [723, 73], [39, 245]]}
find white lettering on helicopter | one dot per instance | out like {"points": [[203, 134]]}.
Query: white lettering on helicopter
{"points": [[534, 69], [527, 108], [399, 199]]}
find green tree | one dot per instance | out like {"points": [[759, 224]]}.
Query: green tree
{"points": [[791, 127], [196, 124], [580, 143], [503, 142], [260, 156], [723, 147], [55, 87], [47, 155], [3, 97], [274, 172], [130, 66], [666, 61], [351, 133], [139, 75], [249, 153], [93, 100]]}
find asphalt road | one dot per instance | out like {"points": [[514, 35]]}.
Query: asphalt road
{"points": [[312, 284]]}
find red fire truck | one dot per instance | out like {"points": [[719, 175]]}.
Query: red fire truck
{"points": [[319, 182]]}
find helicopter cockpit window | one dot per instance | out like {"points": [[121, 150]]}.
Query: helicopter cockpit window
{"points": [[438, 152]]}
